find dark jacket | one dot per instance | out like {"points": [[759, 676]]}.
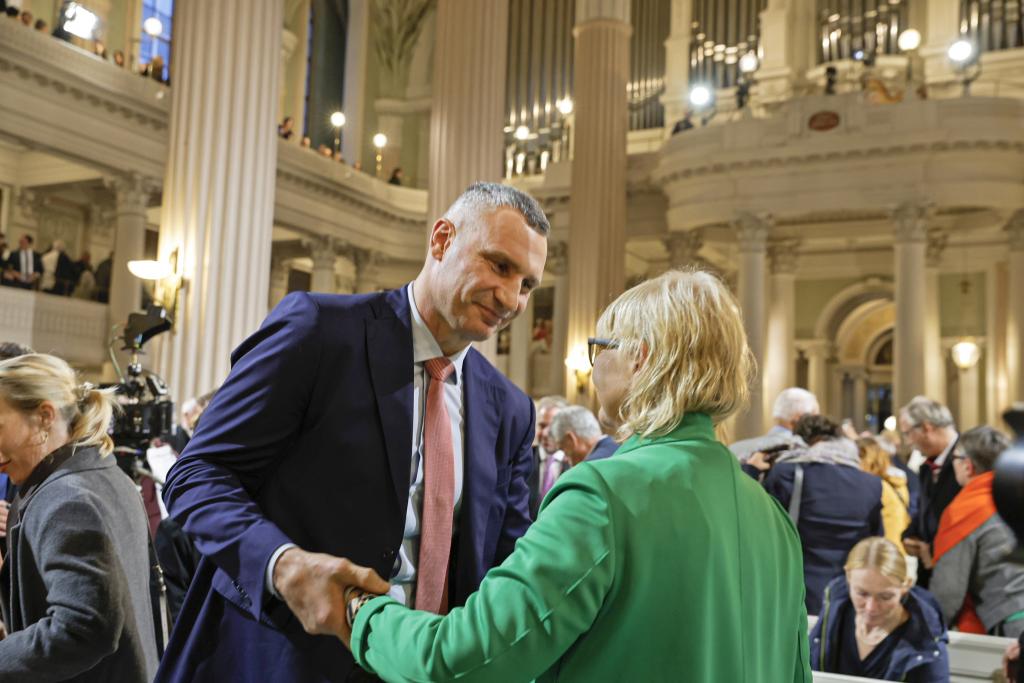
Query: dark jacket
{"points": [[840, 505], [605, 448], [75, 587], [935, 496], [921, 656]]}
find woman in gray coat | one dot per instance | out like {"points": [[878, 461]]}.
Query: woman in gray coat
{"points": [[74, 588]]}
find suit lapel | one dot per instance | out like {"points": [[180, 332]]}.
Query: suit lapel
{"points": [[389, 352], [483, 416]]}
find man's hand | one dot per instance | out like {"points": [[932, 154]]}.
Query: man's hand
{"points": [[313, 586], [919, 549], [759, 462], [4, 507]]}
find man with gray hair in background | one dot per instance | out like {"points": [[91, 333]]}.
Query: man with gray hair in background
{"points": [[578, 433], [790, 405], [927, 425], [545, 452]]}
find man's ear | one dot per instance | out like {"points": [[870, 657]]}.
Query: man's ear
{"points": [[442, 234]]}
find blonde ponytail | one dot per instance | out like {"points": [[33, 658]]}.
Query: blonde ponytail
{"points": [[95, 409]]}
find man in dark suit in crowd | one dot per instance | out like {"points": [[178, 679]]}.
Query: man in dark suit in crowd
{"points": [[578, 434], [25, 266], [359, 436], [928, 426]]}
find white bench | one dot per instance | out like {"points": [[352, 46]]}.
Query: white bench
{"points": [[971, 658]]}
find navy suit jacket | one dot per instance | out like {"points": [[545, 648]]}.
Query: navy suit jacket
{"points": [[605, 448], [309, 441]]}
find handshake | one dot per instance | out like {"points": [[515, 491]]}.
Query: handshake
{"points": [[324, 591]]}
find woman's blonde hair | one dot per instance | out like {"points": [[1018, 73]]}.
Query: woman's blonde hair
{"points": [[26, 382], [879, 554], [688, 325], [874, 459]]}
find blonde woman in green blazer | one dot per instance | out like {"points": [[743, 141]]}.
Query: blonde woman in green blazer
{"points": [[662, 563]]}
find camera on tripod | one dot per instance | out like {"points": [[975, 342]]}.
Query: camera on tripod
{"points": [[147, 412]]}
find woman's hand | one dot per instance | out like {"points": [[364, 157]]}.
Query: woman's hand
{"points": [[1010, 658]]}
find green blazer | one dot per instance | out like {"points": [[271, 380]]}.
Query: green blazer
{"points": [[663, 563]]}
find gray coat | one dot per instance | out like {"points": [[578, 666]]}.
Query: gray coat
{"points": [[75, 586]]}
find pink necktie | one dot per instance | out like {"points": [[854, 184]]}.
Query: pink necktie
{"points": [[438, 494]]}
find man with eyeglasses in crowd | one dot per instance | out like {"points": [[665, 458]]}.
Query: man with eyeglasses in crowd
{"points": [[927, 425]]}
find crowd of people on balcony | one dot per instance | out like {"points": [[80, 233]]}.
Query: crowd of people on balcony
{"points": [[286, 131], [53, 271]]}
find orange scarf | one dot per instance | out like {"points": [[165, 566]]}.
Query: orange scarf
{"points": [[971, 508]]}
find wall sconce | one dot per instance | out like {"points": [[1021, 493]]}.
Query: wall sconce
{"points": [[966, 353], [168, 281], [579, 363]]}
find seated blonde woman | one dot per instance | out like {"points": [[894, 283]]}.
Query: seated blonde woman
{"points": [[874, 625], [895, 492], [664, 563]]}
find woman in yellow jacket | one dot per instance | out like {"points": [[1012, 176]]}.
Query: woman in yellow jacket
{"points": [[664, 562], [895, 493]]}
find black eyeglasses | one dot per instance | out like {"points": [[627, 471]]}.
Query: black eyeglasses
{"points": [[595, 345]]}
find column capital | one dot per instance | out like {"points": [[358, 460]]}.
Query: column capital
{"points": [[1015, 230], [131, 191], [683, 247], [937, 241], [752, 231], [911, 219], [782, 256], [558, 258], [323, 251], [815, 348], [364, 259]]}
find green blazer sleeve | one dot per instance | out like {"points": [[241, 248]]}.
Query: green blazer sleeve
{"points": [[527, 612]]}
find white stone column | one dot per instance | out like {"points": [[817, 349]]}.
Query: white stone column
{"points": [[520, 334], [325, 258], [131, 197], [752, 236], [997, 376], [934, 358], [367, 263], [780, 354], [911, 232], [218, 193], [860, 398], [683, 247], [467, 104], [558, 265], [677, 63], [968, 413], [788, 46], [278, 280], [289, 42], [941, 28], [817, 353], [597, 196], [1015, 323], [299, 63], [357, 46]]}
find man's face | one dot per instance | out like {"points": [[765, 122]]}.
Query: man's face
{"points": [[23, 243], [544, 418], [487, 272], [925, 437], [574, 448]]}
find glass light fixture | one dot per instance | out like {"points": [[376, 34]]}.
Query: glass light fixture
{"points": [[966, 354], [380, 140], [153, 26], [579, 362], [961, 51], [522, 133], [700, 96], [149, 270], [749, 62], [909, 40], [564, 106], [338, 119]]}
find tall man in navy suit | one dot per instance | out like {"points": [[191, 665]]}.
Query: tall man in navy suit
{"points": [[309, 473]]}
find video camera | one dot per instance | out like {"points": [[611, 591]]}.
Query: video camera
{"points": [[1008, 486], [147, 411]]}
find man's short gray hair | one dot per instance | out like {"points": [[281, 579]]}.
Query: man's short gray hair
{"points": [[481, 198], [983, 445], [793, 403], [922, 409], [552, 401], [575, 419]]}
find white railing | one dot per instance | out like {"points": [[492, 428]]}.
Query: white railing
{"points": [[74, 329]]}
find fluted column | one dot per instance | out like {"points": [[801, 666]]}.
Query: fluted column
{"points": [[911, 232], [860, 398], [367, 270], [298, 66], [817, 353], [597, 197], [934, 357], [519, 348], [131, 197], [218, 195], [467, 104], [677, 63], [325, 258], [787, 47], [752, 235], [558, 265], [683, 247], [1015, 323], [780, 354]]}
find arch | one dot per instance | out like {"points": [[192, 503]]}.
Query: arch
{"points": [[847, 301]]}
